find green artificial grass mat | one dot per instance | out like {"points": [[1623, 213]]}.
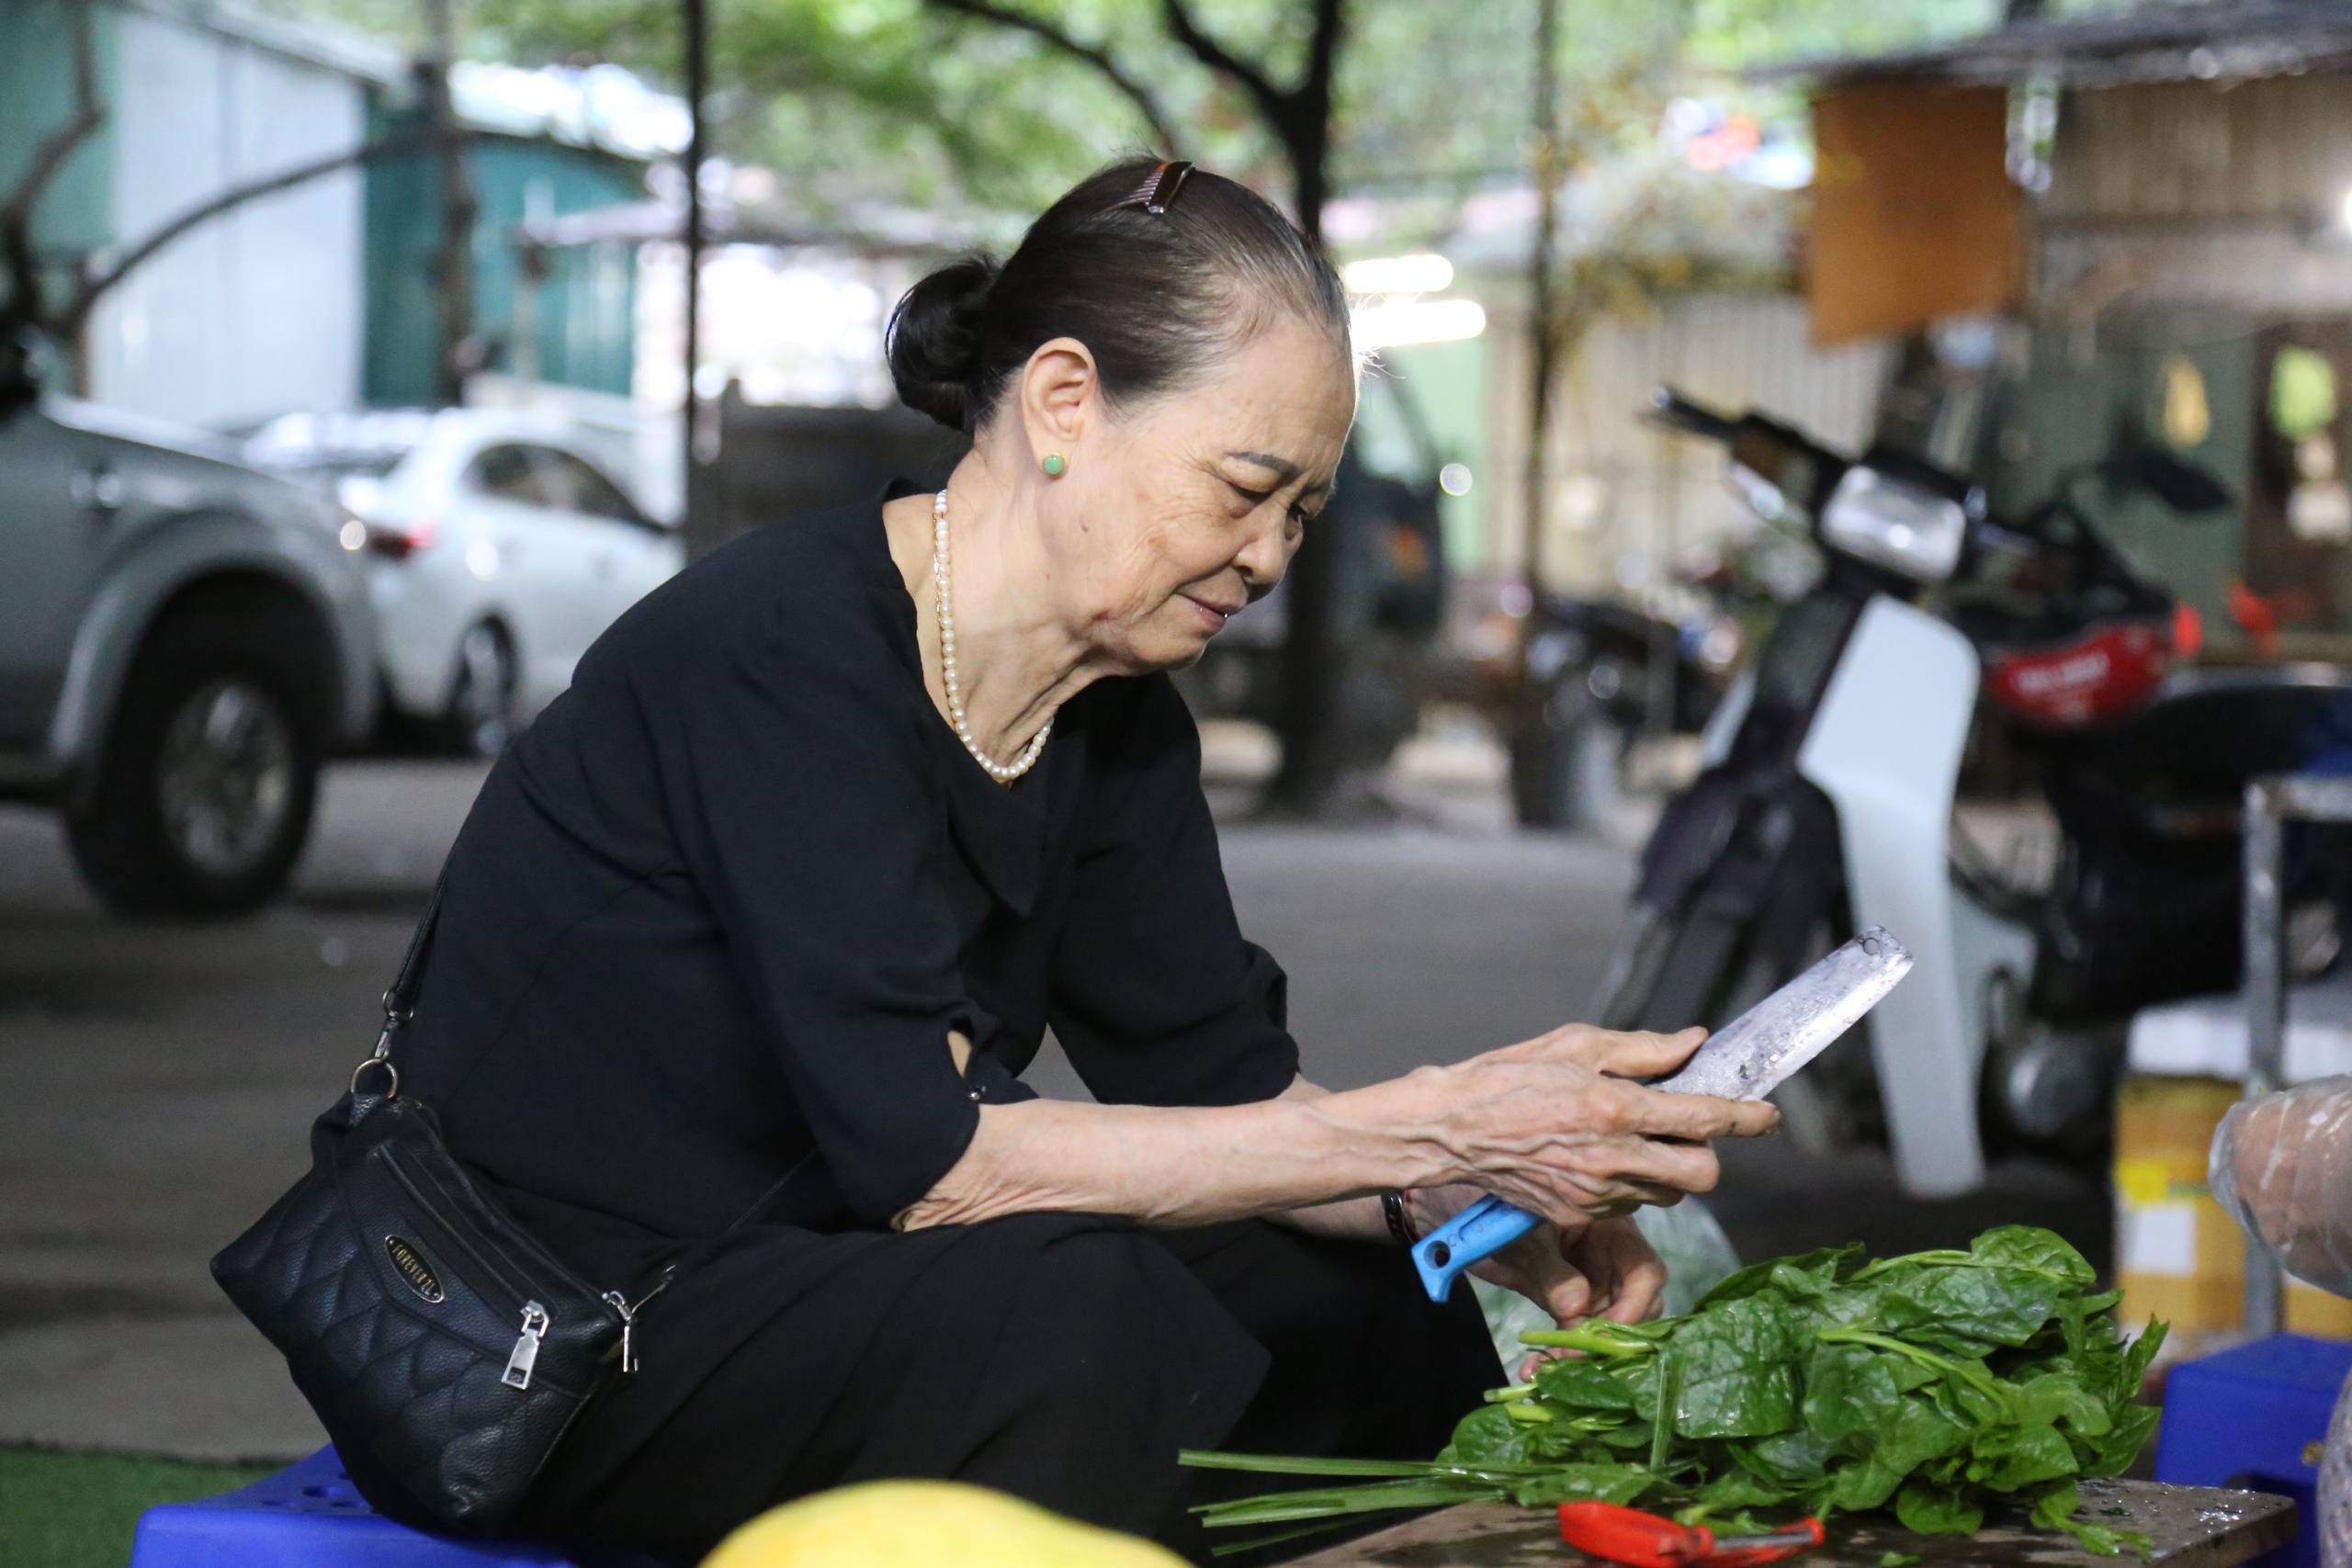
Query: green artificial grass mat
{"points": [[79, 1510]]}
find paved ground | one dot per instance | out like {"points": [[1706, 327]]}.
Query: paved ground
{"points": [[158, 1079]]}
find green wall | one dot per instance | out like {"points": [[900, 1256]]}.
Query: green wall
{"points": [[584, 322], [2072, 413], [36, 97]]}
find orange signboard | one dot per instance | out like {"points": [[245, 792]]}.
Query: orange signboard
{"points": [[1914, 214]]}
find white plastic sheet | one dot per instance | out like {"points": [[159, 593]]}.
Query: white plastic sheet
{"points": [[2335, 1488]]}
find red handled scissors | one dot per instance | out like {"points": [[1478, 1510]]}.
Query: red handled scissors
{"points": [[1645, 1541]]}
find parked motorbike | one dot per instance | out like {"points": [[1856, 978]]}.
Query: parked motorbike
{"points": [[1597, 675], [1828, 778]]}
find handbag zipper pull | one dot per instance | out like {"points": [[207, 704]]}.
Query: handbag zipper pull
{"points": [[526, 1345], [620, 1305]]}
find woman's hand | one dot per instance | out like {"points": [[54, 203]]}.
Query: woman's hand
{"points": [[1607, 1270], [1557, 1126]]}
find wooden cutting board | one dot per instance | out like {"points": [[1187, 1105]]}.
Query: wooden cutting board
{"points": [[2190, 1527]]}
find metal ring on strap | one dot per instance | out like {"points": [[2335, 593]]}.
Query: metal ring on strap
{"points": [[392, 1091]]}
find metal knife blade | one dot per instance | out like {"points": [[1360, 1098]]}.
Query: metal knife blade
{"points": [[1763, 1047]]}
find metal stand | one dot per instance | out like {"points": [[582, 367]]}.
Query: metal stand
{"points": [[2272, 802]]}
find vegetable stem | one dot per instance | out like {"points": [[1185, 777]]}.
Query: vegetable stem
{"points": [[1593, 1339], [1975, 1376]]}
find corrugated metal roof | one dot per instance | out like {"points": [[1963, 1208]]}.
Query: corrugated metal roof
{"points": [[2153, 44], [340, 49]]}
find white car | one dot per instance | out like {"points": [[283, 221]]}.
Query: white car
{"points": [[498, 551]]}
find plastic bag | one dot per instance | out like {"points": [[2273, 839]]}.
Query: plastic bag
{"points": [[2335, 1486], [2281, 1166]]}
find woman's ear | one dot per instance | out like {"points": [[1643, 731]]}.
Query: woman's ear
{"points": [[1061, 395]]}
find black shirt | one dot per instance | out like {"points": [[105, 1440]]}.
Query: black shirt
{"points": [[711, 920]]}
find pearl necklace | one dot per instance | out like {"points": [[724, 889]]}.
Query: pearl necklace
{"points": [[1003, 773]]}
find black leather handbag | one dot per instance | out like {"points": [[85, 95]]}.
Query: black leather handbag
{"points": [[426, 1326]]}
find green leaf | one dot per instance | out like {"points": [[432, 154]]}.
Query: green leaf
{"points": [[1632, 1435], [1970, 1308], [2113, 1453], [1828, 1263], [2137, 1360], [1897, 1559], [1584, 1385], [1917, 1433], [2005, 1458], [2055, 1505], [1484, 1435], [2056, 1396], [1741, 1489], [1738, 1370], [1850, 1388], [1931, 1509], [2108, 1542], [2031, 1246], [1792, 1459]]}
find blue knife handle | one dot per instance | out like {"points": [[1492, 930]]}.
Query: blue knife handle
{"points": [[1487, 1225]]}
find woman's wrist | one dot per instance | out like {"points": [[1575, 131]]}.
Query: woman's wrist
{"points": [[1379, 1135]]}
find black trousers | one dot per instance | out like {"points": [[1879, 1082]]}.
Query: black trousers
{"points": [[1060, 1358]]}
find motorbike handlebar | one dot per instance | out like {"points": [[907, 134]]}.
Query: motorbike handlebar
{"points": [[1669, 407]]}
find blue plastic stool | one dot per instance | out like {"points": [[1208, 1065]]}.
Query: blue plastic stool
{"points": [[310, 1516], [2247, 1416]]}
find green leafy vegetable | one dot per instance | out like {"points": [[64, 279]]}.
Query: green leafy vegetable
{"points": [[1936, 1384]]}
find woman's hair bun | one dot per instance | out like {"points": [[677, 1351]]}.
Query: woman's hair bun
{"points": [[934, 340]]}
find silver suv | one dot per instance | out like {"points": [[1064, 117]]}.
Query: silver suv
{"points": [[182, 642]]}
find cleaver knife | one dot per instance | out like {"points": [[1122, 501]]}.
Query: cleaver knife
{"points": [[1746, 1059]]}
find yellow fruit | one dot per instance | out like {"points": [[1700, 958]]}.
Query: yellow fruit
{"points": [[927, 1524]]}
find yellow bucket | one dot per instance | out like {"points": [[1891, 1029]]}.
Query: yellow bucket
{"points": [[2178, 1255]]}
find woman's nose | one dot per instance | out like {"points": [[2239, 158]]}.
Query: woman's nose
{"points": [[1263, 559]]}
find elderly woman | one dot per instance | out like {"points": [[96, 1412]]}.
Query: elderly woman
{"points": [[749, 938]]}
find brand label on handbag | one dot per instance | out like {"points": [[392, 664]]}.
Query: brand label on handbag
{"points": [[413, 1269]]}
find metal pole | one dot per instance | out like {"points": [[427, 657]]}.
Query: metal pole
{"points": [[2266, 1013], [697, 52]]}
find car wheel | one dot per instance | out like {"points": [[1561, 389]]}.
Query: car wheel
{"points": [[209, 777], [480, 716]]}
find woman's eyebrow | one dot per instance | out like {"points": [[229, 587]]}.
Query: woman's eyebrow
{"points": [[1281, 467]]}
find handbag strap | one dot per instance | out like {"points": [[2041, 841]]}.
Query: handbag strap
{"points": [[399, 1001]]}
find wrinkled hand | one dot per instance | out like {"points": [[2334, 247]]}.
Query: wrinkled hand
{"points": [[1558, 1126], [1608, 1270]]}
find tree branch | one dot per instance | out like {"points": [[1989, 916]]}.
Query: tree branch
{"points": [[47, 157], [1322, 60], [1272, 100], [68, 321], [1039, 28]]}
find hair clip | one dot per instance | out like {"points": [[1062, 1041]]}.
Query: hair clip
{"points": [[1156, 193]]}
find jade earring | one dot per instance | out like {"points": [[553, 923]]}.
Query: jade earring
{"points": [[1054, 464]]}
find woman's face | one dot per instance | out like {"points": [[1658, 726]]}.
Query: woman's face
{"points": [[1177, 511]]}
